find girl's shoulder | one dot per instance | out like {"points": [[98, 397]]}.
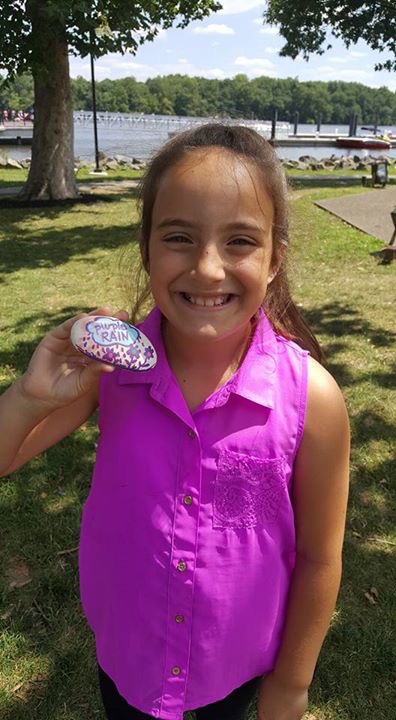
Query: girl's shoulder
{"points": [[321, 382], [326, 414]]}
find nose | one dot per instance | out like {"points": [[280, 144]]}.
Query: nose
{"points": [[209, 263]]}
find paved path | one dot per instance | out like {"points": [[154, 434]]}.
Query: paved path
{"points": [[368, 211]]}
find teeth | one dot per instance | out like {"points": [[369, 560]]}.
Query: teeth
{"points": [[205, 301]]}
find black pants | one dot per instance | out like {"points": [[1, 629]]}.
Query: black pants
{"points": [[233, 707]]}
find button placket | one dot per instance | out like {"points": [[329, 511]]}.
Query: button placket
{"points": [[183, 553]]}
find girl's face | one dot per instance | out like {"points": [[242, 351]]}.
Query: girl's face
{"points": [[210, 246]]}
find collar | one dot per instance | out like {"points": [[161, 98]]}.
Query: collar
{"points": [[254, 380]]}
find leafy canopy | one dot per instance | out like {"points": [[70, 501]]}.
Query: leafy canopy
{"points": [[97, 26], [305, 25]]}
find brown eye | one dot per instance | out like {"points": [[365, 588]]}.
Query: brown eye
{"points": [[242, 241], [176, 239]]}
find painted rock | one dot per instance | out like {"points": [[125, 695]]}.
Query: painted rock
{"points": [[113, 341]]}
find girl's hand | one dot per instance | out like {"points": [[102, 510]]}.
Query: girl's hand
{"points": [[278, 701], [57, 373]]}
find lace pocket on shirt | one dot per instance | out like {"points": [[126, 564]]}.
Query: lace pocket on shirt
{"points": [[248, 490]]}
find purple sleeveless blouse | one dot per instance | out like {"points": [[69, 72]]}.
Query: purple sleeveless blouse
{"points": [[188, 541]]}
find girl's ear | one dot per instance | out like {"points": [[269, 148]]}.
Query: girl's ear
{"points": [[278, 254]]}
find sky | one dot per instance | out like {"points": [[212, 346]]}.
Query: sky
{"points": [[232, 41]]}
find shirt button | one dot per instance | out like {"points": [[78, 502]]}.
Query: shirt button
{"points": [[179, 618], [181, 566], [176, 670], [191, 434], [187, 500]]}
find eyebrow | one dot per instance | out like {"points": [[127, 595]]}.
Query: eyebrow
{"points": [[180, 222]]}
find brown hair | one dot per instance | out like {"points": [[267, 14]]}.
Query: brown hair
{"points": [[249, 145]]}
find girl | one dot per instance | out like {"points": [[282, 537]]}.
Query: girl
{"points": [[210, 553]]}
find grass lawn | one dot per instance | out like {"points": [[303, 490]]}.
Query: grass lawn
{"points": [[57, 262], [14, 176]]}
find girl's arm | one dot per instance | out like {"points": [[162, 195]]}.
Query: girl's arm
{"points": [[55, 395], [319, 497], [27, 428]]}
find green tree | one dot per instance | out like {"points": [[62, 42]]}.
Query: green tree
{"points": [[305, 25], [18, 95], [81, 93], [187, 98], [262, 97], [236, 97], [38, 35]]}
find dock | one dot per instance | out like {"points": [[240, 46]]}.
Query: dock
{"points": [[315, 140], [15, 133]]}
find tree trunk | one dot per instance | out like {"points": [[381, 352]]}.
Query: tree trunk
{"points": [[51, 172]]}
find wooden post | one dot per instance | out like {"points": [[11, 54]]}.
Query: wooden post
{"points": [[274, 121], [296, 119]]}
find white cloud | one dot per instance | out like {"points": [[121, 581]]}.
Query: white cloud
{"points": [[269, 30], [120, 63], [357, 54], [117, 66], [214, 73], [112, 66], [214, 29], [101, 71], [234, 7], [255, 67], [363, 76], [347, 75], [250, 62], [271, 50], [338, 59], [182, 67]]}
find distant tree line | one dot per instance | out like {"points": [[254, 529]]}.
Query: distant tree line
{"points": [[238, 97]]}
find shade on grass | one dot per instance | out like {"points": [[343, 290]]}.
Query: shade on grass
{"points": [[57, 262]]}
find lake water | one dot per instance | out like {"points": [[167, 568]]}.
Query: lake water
{"points": [[140, 136]]}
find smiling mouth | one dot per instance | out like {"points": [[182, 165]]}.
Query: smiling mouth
{"points": [[214, 301]]}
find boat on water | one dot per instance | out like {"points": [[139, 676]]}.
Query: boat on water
{"points": [[365, 142]]}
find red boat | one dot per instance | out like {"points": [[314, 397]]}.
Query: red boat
{"points": [[365, 143]]}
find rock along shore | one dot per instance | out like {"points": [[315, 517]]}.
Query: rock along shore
{"points": [[305, 162]]}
